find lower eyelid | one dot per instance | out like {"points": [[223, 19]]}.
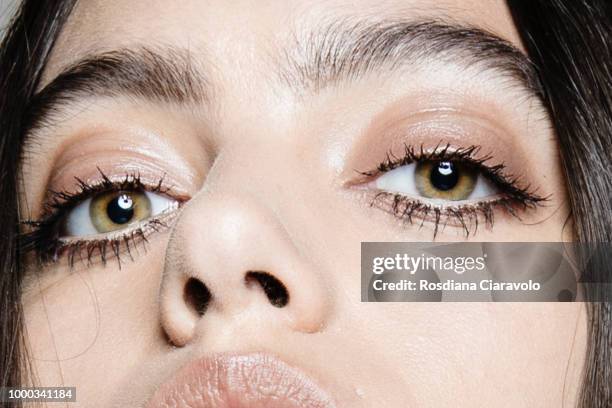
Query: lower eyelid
{"points": [[103, 248], [464, 216]]}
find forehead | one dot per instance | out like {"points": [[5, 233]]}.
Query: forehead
{"points": [[237, 34]]}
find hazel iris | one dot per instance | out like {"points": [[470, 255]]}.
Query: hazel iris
{"points": [[445, 180], [112, 211]]}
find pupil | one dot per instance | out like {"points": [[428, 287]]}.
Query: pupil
{"points": [[444, 176], [121, 209]]}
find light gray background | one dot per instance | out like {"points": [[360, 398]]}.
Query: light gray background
{"points": [[7, 7]]}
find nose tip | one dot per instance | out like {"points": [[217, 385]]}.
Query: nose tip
{"points": [[181, 318], [247, 268]]}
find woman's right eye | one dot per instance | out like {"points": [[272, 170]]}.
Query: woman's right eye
{"points": [[113, 211]]}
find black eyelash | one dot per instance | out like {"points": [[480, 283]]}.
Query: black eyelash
{"points": [[43, 237], [515, 198]]}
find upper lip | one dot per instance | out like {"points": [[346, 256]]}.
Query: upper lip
{"points": [[236, 381]]}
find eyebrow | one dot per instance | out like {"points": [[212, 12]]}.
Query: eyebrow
{"points": [[166, 75], [346, 50]]}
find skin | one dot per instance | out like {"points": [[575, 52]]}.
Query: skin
{"points": [[269, 177]]}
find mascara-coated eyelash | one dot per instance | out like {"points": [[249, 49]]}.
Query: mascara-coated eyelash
{"points": [[448, 168], [102, 219]]}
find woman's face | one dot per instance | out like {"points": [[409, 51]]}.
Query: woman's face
{"points": [[216, 166]]}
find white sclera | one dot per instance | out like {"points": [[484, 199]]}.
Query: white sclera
{"points": [[399, 180], [160, 203], [78, 221]]}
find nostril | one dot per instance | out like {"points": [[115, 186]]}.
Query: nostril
{"points": [[197, 295], [273, 288]]}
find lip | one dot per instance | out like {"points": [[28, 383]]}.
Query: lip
{"points": [[237, 381]]}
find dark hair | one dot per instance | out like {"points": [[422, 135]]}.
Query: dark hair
{"points": [[569, 42], [23, 55]]}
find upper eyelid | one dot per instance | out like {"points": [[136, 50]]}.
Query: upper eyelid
{"points": [[471, 155], [104, 184], [57, 204], [430, 122]]}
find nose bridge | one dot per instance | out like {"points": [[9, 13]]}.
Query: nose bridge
{"points": [[229, 255]]}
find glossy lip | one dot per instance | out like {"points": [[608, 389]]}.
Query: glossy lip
{"points": [[236, 381]]}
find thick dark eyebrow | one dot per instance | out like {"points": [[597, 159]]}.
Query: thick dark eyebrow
{"points": [[166, 75], [344, 50], [347, 50]]}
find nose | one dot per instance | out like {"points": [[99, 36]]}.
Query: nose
{"points": [[229, 256]]}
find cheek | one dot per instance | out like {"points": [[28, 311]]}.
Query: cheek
{"points": [[93, 317], [465, 345], [66, 306]]}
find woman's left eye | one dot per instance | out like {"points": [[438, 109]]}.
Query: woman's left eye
{"points": [[114, 211], [438, 181]]}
